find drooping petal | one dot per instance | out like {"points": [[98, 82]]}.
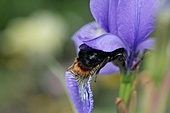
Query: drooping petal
{"points": [[106, 42], [146, 44], [136, 19], [104, 12], [83, 101], [88, 31]]}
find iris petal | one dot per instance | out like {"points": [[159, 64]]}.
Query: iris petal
{"points": [[106, 42], [83, 101], [88, 32], [146, 44], [104, 12], [113, 17], [99, 9], [109, 68], [136, 20], [91, 31]]}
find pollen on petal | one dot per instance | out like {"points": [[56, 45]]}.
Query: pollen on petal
{"points": [[80, 93]]}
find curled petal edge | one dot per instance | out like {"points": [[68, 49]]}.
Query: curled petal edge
{"points": [[106, 42]]}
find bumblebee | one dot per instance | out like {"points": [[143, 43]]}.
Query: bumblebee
{"points": [[90, 61]]}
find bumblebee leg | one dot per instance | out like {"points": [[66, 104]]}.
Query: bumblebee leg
{"points": [[95, 79], [106, 60]]}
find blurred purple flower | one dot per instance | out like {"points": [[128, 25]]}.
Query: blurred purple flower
{"points": [[119, 24]]}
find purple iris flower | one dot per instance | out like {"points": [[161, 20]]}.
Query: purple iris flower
{"points": [[118, 24]]}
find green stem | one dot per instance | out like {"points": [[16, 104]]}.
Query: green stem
{"points": [[126, 86], [126, 89]]}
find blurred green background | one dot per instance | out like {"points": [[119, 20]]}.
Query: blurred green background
{"points": [[36, 49]]}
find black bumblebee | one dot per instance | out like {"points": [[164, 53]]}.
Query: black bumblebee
{"points": [[90, 61]]}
